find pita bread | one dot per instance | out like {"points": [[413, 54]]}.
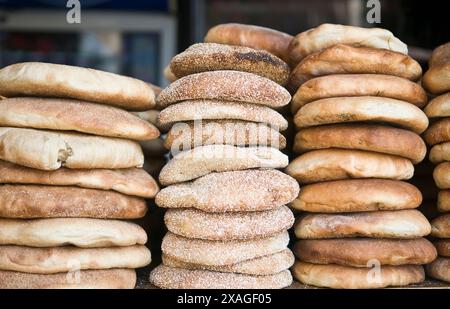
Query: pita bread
{"points": [[184, 136], [80, 232], [337, 164], [355, 109], [192, 223], [327, 35], [88, 279], [443, 247], [439, 106], [204, 57], [440, 55], [225, 85], [266, 265], [408, 223], [443, 201], [219, 253], [203, 160], [65, 259], [345, 277], [354, 60], [37, 201], [47, 150], [71, 115], [440, 153], [377, 138], [220, 110], [360, 252], [257, 37], [131, 181], [39, 79], [440, 227], [438, 132], [247, 190], [437, 79], [353, 195], [357, 85], [439, 269], [179, 278]]}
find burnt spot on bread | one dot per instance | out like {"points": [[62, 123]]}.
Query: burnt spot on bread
{"points": [[259, 57]]}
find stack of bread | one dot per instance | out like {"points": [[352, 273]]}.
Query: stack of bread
{"points": [[358, 114], [70, 177], [225, 200], [437, 81]]}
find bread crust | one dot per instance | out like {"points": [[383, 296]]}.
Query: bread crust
{"points": [[437, 79], [442, 247], [439, 106], [440, 153], [439, 269], [440, 226], [438, 132], [443, 201]]}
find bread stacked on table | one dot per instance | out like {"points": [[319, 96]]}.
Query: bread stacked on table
{"points": [[225, 198], [70, 177], [358, 113], [437, 81]]}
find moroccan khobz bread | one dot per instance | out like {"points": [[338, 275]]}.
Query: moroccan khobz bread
{"points": [[439, 269], [440, 226], [438, 132], [439, 106], [437, 79]]}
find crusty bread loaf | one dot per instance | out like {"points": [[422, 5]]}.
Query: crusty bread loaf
{"points": [[345, 277], [88, 279], [326, 35], [217, 110], [443, 201], [336, 164], [440, 153], [203, 57], [62, 81], [37, 201], [219, 253], [408, 223], [47, 150], [179, 278], [440, 226], [439, 269], [353, 195], [131, 181], [185, 136], [203, 160], [439, 106], [438, 132], [353, 109], [437, 79], [80, 232], [225, 85], [247, 190], [192, 223], [71, 115], [356, 85], [354, 60], [257, 37], [360, 252], [442, 247], [266, 265], [370, 137], [65, 259]]}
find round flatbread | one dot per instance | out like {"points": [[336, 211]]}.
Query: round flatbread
{"points": [[440, 153], [49, 150], [327, 35], [439, 106], [225, 85], [80, 232], [131, 181], [377, 138], [443, 201], [438, 132], [275, 42], [337, 164], [36, 201], [71, 115], [84, 279], [437, 79], [375, 224], [354, 195], [345, 277], [39, 79], [192, 223], [354, 60], [204, 57], [185, 136], [65, 259], [361, 252], [439, 269], [219, 253], [355, 109], [220, 110], [247, 190], [440, 227], [442, 247], [203, 160], [178, 278], [266, 265]]}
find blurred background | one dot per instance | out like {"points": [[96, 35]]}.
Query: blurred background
{"points": [[138, 37]]}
